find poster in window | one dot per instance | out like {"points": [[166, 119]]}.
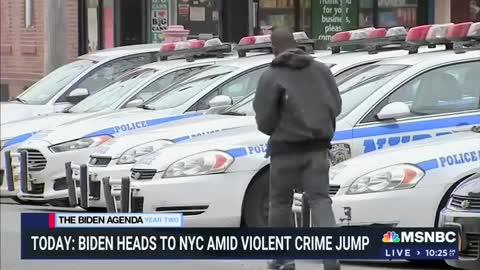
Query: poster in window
{"points": [[197, 14], [159, 20]]}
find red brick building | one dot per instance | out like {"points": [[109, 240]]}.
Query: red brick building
{"points": [[23, 39]]}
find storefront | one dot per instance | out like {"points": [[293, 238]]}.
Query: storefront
{"points": [[332, 16], [108, 23]]}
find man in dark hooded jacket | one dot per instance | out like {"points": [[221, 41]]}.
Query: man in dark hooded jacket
{"points": [[296, 103]]}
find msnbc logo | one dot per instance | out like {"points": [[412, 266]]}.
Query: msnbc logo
{"points": [[391, 237]]}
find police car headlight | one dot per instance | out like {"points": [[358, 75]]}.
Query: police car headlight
{"points": [[339, 153], [395, 177], [130, 156], [210, 162], [80, 144]]}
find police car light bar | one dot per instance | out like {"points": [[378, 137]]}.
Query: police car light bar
{"points": [[465, 36], [429, 35], [250, 43], [194, 48], [474, 31], [371, 38], [459, 31]]}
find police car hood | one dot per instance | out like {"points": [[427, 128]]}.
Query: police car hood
{"points": [[179, 132], [242, 141], [38, 123], [412, 153], [13, 111], [113, 124]]}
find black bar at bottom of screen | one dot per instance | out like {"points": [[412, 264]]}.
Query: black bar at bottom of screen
{"points": [[234, 243]]}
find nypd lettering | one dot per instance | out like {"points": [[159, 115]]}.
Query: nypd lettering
{"points": [[130, 126], [459, 158], [371, 145]]}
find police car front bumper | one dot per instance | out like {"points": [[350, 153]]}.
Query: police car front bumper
{"points": [[205, 201], [469, 226], [415, 207], [52, 175]]}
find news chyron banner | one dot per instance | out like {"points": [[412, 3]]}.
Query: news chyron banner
{"points": [[162, 236]]}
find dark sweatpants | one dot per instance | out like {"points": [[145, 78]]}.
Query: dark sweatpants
{"points": [[305, 171], [308, 172]]}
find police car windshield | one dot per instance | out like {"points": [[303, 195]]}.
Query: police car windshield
{"points": [[364, 83], [181, 93], [42, 91], [110, 95]]}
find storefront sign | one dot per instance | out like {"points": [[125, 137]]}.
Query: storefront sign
{"points": [[159, 20], [332, 16]]}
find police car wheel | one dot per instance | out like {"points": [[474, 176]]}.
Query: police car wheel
{"points": [[59, 202], [256, 195], [16, 199]]}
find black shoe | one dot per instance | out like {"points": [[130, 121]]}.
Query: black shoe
{"points": [[281, 265]]}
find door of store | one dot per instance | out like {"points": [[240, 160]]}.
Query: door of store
{"points": [[132, 22]]}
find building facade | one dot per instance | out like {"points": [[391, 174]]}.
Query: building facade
{"points": [[39, 35]]}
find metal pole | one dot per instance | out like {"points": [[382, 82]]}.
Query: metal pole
{"points": [[23, 171], [344, 16], [125, 195], [83, 186], [107, 194], [72, 192], [9, 171], [56, 48]]}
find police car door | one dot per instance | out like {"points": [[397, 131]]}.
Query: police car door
{"points": [[434, 103]]}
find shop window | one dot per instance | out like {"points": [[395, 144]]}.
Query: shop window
{"points": [[366, 13], [277, 13], [394, 13], [200, 17]]}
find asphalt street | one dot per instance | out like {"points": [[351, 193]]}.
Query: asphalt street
{"points": [[10, 253]]}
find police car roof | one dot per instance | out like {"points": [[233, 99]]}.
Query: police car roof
{"points": [[112, 53], [432, 58]]}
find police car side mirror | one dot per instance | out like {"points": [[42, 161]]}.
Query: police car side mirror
{"points": [[220, 100], [393, 111], [134, 103], [77, 95]]}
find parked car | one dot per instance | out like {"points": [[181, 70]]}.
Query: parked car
{"points": [[71, 83], [463, 212]]}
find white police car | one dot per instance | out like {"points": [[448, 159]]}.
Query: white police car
{"points": [[404, 186], [389, 103], [72, 82]]}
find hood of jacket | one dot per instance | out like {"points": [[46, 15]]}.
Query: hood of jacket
{"points": [[293, 59]]}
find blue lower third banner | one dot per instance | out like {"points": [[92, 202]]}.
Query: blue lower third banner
{"points": [[162, 236]]}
